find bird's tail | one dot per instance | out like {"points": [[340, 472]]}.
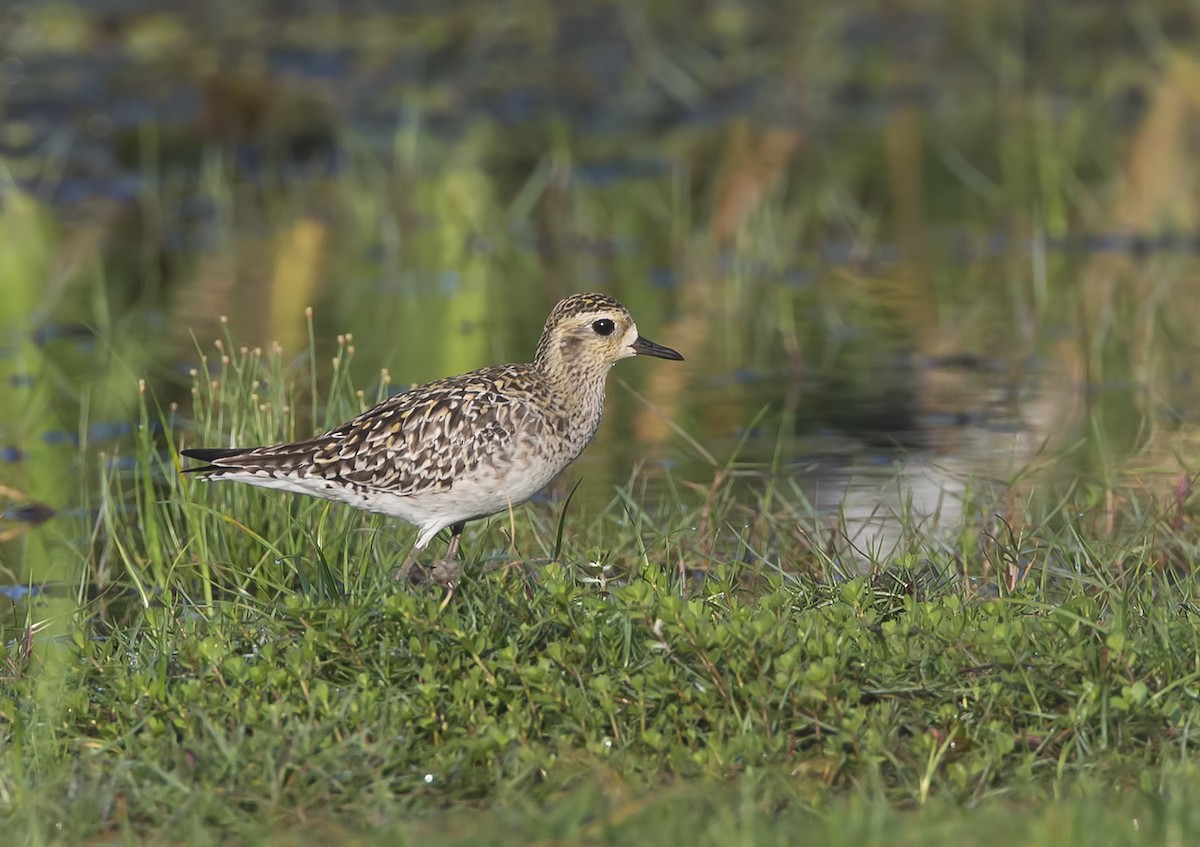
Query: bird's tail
{"points": [[217, 458]]}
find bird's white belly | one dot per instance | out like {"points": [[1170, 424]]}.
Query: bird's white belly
{"points": [[470, 497], [484, 491]]}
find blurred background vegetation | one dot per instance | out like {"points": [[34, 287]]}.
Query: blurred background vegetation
{"points": [[942, 244]]}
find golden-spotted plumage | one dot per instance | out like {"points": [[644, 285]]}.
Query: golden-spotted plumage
{"points": [[466, 446]]}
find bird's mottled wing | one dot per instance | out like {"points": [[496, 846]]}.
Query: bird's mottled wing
{"points": [[420, 440], [416, 441]]}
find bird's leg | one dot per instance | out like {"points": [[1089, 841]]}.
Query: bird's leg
{"points": [[402, 573], [442, 571], [447, 571], [456, 532]]}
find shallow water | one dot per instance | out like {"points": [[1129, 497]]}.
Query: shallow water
{"points": [[905, 283]]}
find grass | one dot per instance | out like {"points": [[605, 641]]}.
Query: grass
{"points": [[253, 673]]}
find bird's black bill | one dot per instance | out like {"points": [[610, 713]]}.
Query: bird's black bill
{"points": [[646, 347]]}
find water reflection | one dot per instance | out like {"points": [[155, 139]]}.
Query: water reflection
{"points": [[880, 502]]}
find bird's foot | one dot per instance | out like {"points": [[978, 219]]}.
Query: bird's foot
{"points": [[446, 572], [443, 572]]}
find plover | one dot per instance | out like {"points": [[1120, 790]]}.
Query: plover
{"points": [[463, 447]]}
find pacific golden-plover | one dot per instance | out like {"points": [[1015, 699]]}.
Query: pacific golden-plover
{"points": [[463, 447]]}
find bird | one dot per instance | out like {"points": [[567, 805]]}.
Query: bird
{"points": [[463, 447]]}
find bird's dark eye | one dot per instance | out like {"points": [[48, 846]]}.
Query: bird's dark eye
{"points": [[603, 326]]}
